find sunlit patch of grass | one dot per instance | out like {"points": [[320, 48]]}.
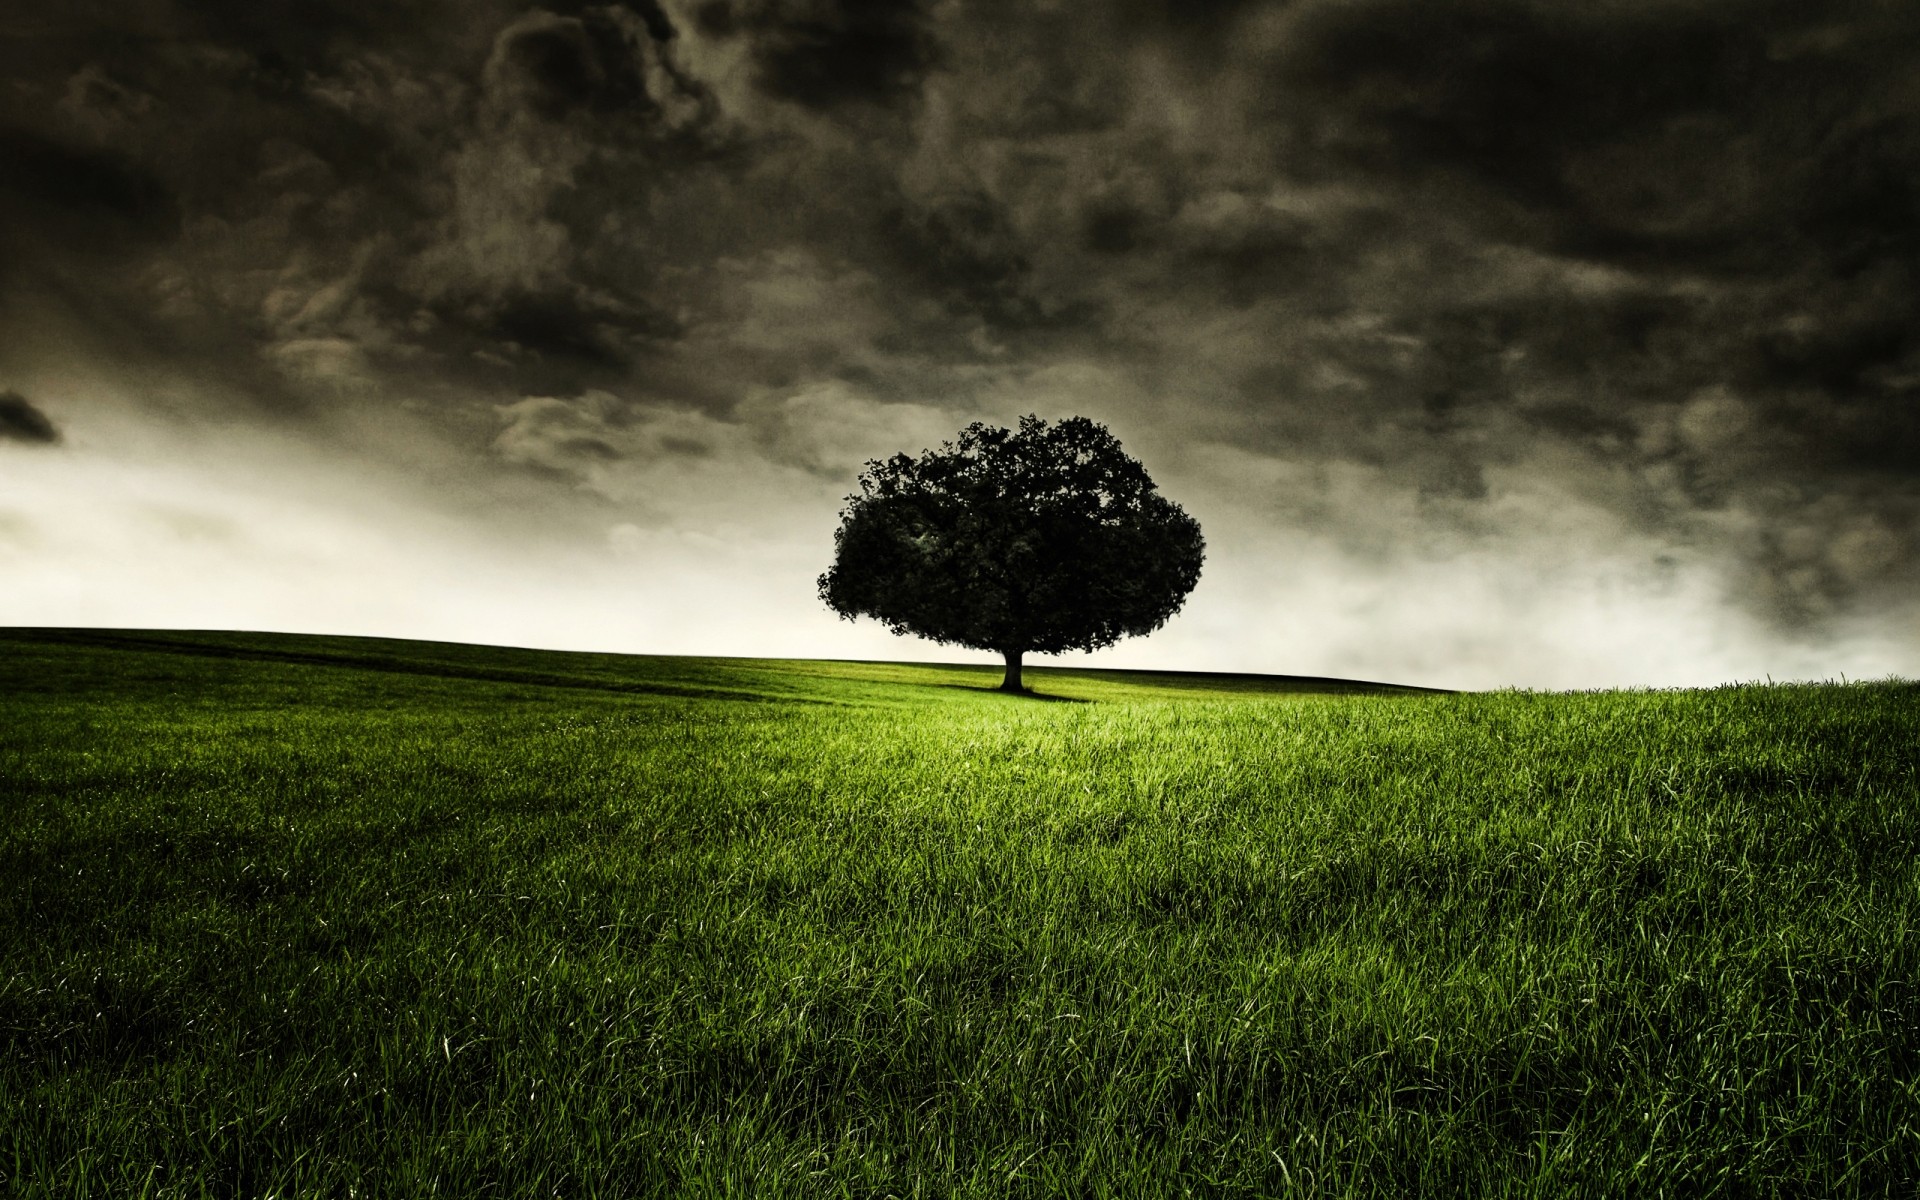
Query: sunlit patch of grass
{"points": [[305, 916]]}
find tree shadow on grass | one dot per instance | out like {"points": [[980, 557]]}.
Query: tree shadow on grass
{"points": [[1023, 694]]}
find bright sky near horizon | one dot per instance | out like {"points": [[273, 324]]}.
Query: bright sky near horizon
{"points": [[1491, 342]]}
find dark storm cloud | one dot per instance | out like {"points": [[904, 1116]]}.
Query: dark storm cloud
{"points": [[20, 421], [829, 53], [962, 248], [90, 201], [1680, 239], [84, 185], [1662, 255], [363, 195], [576, 56]]}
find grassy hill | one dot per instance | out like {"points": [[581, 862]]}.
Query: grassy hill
{"points": [[319, 916]]}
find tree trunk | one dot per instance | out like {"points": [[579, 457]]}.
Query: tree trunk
{"points": [[1012, 682]]}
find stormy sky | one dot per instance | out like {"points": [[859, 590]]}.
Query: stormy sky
{"points": [[1491, 341]]}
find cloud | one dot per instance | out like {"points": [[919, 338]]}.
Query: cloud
{"points": [[60, 201], [1657, 262], [617, 447], [581, 437], [20, 421], [833, 429], [824, 54]]}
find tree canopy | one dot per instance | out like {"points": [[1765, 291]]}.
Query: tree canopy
{"points": [[1043, 539]]}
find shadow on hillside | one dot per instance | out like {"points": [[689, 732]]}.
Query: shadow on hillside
{"points": [[439, 669], [1230, 683]]}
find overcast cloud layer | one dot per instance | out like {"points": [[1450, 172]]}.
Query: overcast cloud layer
{"points": [[1492, 341]]}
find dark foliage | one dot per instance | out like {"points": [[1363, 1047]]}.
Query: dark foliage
{"points": [[1044, 539]]}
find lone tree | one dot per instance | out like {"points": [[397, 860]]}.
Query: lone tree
{"points": [[1044, 539]]}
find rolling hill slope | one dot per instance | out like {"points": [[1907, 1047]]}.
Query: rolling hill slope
{"points": [[314, 916]]}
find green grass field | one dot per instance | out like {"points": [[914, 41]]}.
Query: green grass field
{"points": [[292, 916]]}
